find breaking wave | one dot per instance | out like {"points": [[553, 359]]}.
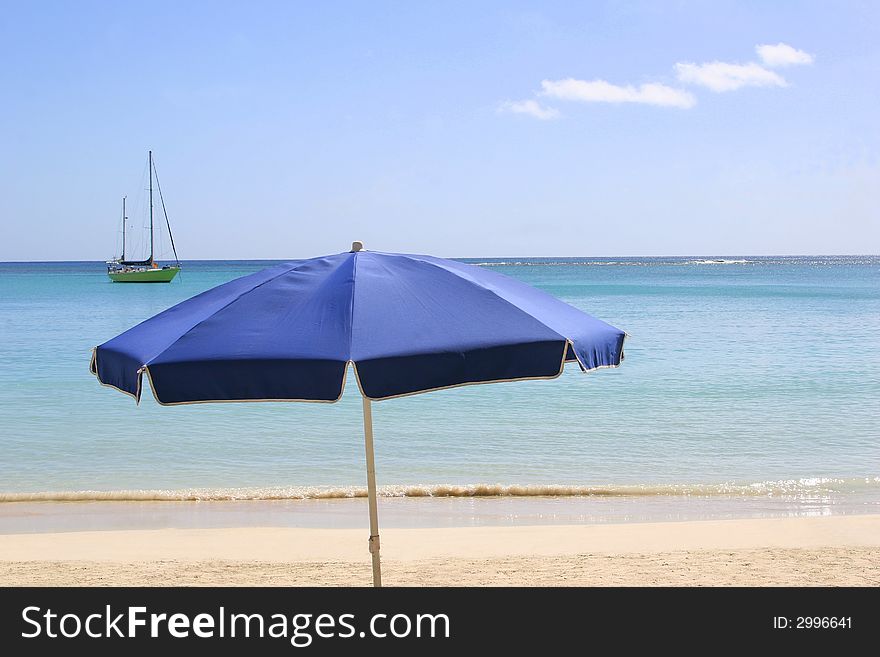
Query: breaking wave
{"points": [[674, 261], [719, 261], [558, 263], [778, 488], [611, 263]]}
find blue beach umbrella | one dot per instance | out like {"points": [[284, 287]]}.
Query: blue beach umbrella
{"points": [[405, 323]]}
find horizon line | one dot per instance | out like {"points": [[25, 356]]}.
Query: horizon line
{"points": [[529, 257], [511, 257]]}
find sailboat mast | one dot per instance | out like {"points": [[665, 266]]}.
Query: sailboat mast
{"points": [[123, 228], [151, 205]]}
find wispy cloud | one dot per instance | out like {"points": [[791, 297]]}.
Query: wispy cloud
{"points": [[722, 76], [530, 107], [600, 91], [782, 54], [715, 76]]}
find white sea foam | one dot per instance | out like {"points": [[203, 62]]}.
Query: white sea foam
{"points": [[717, 261], [653, 262], [777, 488]]}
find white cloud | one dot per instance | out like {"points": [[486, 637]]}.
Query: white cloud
{"points": [[782, 54], [715, 76], [721, 76], [600, 91], [530, 107]]}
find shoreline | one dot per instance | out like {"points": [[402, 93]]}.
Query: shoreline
{"points": [[24, 517], [835, 551]]}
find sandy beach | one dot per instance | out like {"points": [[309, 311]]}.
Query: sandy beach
{"points": [[825, 551]]}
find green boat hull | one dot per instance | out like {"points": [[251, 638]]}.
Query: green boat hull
{"points": [[165, 275]]}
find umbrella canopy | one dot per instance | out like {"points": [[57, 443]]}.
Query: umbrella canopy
{"points": [[407, 324]]}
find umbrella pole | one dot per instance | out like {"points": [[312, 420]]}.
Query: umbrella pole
{"points": [[371, 493]]}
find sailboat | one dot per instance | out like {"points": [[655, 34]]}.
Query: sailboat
{"points": [[121, 270]]}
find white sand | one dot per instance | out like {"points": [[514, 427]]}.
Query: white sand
{"points": [[838, 550]]}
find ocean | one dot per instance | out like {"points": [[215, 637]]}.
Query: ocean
{"points": [[751, 387]]}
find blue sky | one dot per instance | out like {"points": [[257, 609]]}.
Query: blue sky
{"points": [[287, 129]]}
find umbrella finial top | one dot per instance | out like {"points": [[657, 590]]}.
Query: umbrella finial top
{"points": [[356, 246]]}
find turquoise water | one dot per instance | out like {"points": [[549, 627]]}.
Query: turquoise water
{"points": [[743, 378]]}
